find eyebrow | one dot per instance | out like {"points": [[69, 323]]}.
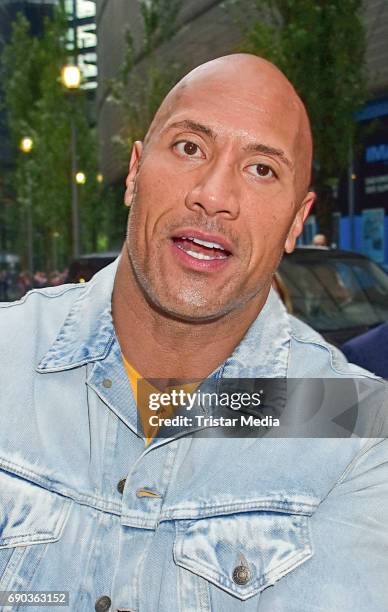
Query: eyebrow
{"points": [[194, 126], [267, 150], [254, 147]]}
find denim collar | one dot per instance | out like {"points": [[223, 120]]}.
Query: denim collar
{"points": [[87, 335]]}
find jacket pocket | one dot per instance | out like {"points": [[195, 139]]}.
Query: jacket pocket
{"points": [[243, 553], [30, 518]]}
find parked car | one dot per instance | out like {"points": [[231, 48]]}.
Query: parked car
{"points": [[82, 269], [339, 293]]}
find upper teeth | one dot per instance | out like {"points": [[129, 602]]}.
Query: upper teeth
{"points": [[210, 245]]}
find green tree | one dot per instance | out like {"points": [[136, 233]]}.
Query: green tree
{"points": [[144, 78], [320, 46], [37, 106]]}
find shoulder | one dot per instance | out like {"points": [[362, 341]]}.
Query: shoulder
{"points": [[34, 320], [312, 356], [370, 350], [46, 297], [370, 339]]}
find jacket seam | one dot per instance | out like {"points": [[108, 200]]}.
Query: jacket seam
{"points": [[23, 299], [86, 500], [269, 503], [327, 348], [365, 449]]}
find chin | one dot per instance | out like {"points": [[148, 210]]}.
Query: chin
{"points": [[187, 312], [193, 310]]}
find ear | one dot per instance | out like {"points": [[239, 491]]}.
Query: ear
{"points": [[132, 173], [298, 222]]}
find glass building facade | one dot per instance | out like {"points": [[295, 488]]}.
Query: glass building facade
{"points": [[82, 39]]}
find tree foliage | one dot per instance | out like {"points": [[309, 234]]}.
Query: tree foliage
{"points": [[38, 107], [320, 46], [159, 21], [144, 78]]}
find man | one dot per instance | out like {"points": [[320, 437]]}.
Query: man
{"points": [[217, 192]]}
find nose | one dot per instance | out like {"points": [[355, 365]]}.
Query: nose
{"points": [[214, 192]]}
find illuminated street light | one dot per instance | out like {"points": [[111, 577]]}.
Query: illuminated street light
{"points": [[71, 77], [80, 178], [26, 144], [71, 80], [99, 178]]}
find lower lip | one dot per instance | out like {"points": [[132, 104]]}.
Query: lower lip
{"points": [[199, 264]]}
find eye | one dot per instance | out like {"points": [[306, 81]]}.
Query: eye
{"points": [[187, 148], [262, 171]]}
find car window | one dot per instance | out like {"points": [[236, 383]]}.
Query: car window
{"points": [[337, 293], [83, 269]]}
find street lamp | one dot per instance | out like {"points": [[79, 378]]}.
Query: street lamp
{"points": [[71, 77], [26, 145], [71, 80], [80, 178]]}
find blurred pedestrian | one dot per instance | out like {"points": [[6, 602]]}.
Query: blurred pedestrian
{"points": [[320, 240], [40, 279], [65, 275], [55, 278], [24, 282]]}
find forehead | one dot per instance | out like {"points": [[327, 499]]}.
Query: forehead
{"points": [[239, 111]]}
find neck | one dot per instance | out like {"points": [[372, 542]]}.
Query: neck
{"points": [[159, 346]]}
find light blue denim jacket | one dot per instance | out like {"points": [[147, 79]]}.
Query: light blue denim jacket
{"points": [[306, 519]]}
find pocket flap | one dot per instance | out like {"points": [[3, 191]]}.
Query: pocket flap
{"points": [[243, 553], [29, 514]]}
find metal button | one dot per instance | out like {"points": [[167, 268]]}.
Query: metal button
{"points": [[241, 574], [121, 485], [147, 493], [103, 604], [107, 383]]}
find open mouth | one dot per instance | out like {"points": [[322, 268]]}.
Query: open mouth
{"points": [[201, 249]]}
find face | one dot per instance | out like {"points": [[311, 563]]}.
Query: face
{"points": [[214, 198]]}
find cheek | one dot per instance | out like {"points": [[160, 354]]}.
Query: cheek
{"points": [[152, 199], [268, 230], [158, 172], [273, 212], [159, 190], [264, 224], [150, 186]]}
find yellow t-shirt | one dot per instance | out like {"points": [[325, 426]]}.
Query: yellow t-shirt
{"points": [[142, 401]]}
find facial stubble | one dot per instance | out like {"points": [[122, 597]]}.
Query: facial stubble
{"points": [[185, 301]]}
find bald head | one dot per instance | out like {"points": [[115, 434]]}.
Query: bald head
{"points": [[244, 78]]}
